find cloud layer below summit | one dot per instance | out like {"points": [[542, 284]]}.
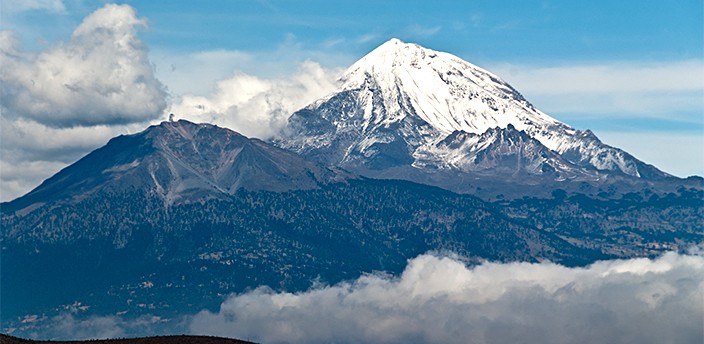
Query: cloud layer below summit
{"points": [[440, 300]]}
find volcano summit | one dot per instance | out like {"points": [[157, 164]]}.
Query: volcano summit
{"points": [[407, 112]]}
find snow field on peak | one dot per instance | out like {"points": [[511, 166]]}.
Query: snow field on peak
{"points": [[445, 91]]}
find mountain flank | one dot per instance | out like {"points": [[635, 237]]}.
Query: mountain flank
{"points": [[178, 162]]}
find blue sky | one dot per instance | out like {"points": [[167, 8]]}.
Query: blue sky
{"points": [[483, 31], [631, 71]]}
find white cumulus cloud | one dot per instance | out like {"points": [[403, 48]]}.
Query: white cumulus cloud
{"points": [[440, 300], [258, 107], [101, 76]]}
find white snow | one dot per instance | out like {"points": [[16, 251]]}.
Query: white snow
{"points": [[449, 94], [445, 91]]}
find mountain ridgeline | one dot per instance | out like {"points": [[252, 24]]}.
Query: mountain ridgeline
{"points": [[418, 151], [179, 161]]}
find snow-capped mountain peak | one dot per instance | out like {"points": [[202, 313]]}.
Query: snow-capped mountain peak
{"points": [[399, 102], [445, 91]]}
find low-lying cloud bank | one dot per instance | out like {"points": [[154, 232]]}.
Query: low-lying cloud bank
{"points": [[440, 300]]}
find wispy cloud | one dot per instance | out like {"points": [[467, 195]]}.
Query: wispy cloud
{"points": [[618, 88], [677, 153], [15, 6], [71, 326], [197, 72], [476, 20], [366, 38], [419, 31], [333, 42]]}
